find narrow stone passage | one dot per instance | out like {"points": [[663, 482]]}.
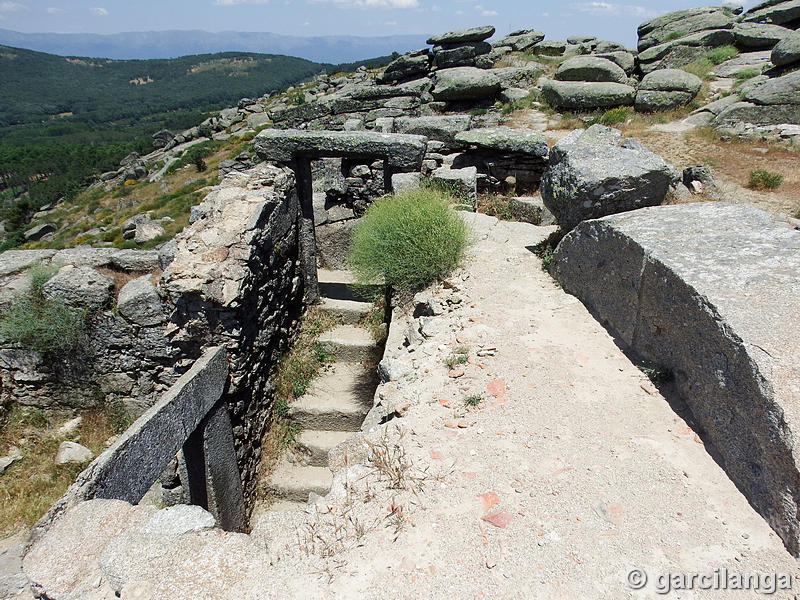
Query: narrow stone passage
{"points": [[337, 401]]}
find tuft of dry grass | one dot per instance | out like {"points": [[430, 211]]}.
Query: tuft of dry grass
{"points": [[30, 486]]}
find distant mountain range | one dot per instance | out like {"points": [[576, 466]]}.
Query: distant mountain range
{"points": [[172, 44]]}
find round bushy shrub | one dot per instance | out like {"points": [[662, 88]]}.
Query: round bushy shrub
{"points": [[45, 325], [409, 240]]}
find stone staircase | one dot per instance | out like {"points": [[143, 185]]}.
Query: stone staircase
{"points": [[337, 401]]}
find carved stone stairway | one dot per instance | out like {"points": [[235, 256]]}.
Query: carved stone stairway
{"points": [[337, 401]]}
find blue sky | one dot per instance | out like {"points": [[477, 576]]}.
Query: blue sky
{"points": [[557, 19]]}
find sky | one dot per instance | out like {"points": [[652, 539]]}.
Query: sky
{"points": [[556, 18]]}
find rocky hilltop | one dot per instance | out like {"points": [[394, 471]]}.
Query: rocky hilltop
{"points": [[512, 446]]}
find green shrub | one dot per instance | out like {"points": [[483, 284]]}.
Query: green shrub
{"points": [[719, 55], [761, 179], [615, 115], [410, 240], [45, 325], [748, 74]]}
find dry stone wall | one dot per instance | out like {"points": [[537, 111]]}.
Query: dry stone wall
{"points": [[125, 357], [235, 282]]}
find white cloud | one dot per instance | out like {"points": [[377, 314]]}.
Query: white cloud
{"points": [[100, 11], [54, 10], [235, 2], [610, 9], [12, 7], [373, 3]]}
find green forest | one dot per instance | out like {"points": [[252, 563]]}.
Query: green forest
{"points": [[63, 121]]}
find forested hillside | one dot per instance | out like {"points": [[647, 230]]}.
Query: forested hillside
{"points": [[64, 120]]}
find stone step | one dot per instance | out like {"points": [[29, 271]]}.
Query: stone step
{"points": [[349, 343], [316, 444], [293, 483], [350, 312], [286, 505], [339, 285], [338, 399]]}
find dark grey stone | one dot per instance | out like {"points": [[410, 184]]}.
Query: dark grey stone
{"points": [[127, 469], [519, 40], [708, 291], [441, 128], [403, 152], [463, 55], [474, 34], [585, 95], [787, 51], [215, 471], [590, 68], [774, 12], [683, 22], [408, 66], [595, 172], [759, 35], [464, 83], [780, 90], [34, 234], [506, 139]]}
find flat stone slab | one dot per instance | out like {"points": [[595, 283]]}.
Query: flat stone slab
{"points": [[506, 139], [710, 292], [404, 152]]}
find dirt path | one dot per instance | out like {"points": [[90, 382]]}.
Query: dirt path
{"points": [[572, 471]]}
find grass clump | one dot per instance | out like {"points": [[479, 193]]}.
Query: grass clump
{"points": [[615, 115], [496, 206], [747, 74], [458, 356], [701, 67], [762, 179], [473, 400], [410, 240], [45, 325], [717, 56]]}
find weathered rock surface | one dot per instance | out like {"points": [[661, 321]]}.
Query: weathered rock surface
{"points": [[787, 50], [759, 35], [506, 139], [474, 34], [72, 452], [665, 89], [139, 303], [404, 152], [519, 40], [441, 128], [623, 59], [39, 231], [582, 95], [409, 65], [81, 287], [709, 291], [595, 172], [680, 23], [464, 83], [590, 68], [771, 11], [461, 55], [682, 51]]}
